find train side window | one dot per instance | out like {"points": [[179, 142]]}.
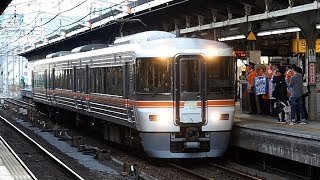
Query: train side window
{"points": [[93, 80], [69, 79], [78, 80], [57, 79], [39, 79], [97, 76], [108, 80], [119, 81], [101, 81], [64, 77]]}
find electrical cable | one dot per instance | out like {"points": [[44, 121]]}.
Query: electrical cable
{"points": [[46, 22], [111, 7]]}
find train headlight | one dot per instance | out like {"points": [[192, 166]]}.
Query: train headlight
{"points": [[162, 118], [166, 52], [211, 52], [154, 117], [217, 116]]}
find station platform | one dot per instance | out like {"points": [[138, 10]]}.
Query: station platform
{"points": [[11, 167], [261, 133]]}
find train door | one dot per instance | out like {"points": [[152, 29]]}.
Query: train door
{"points": [[189, 90], [46, 83], [80, 100]]}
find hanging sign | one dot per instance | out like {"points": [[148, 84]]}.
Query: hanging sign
{"points": [[251, 36], [312, 73], [312, 55], [302, 46]]}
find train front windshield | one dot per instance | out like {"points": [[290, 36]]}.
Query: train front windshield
{"points": [[220, 78], [154, 77]]}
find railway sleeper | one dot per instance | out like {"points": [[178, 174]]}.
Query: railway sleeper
{"points": [[131, 170], [95, 152], [76, 141], [104, 154], [62, 134]]}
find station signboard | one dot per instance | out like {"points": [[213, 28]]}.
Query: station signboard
{"points": [[312, 73], [302, 46]]}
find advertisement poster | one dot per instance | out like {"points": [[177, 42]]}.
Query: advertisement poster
{"points": [[261, 85]]}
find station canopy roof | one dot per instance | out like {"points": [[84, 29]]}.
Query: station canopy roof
{"points": [[189, 16]]}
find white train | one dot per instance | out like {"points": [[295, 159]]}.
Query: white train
{"points": [[173, 97]]}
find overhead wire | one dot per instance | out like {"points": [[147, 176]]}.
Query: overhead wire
{"points": [[19, 29], [75, 22], [46, 22]]}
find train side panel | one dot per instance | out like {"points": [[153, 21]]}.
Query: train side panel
{"points": [[176, 93]]}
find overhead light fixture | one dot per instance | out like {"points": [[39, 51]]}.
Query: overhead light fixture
{"points": [[281, 21], [229, 38], [318, 26], [264, 33], [279, 31], [294, 29], [233, 29]]}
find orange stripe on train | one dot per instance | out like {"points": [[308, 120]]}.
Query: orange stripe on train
{"points": [[171, 104], [127, 102]]}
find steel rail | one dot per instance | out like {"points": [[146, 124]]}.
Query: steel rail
{"points": [[69, 170], [235, 172], [216, 166], [18, 159], [190, 172], [16, 102]]}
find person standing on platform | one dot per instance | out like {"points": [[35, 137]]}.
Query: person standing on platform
{"points": [[289, 74], [252, 96], [280, 92], [263, 98], [305, 93], [243, 75], [295, 86], [271, 73]]}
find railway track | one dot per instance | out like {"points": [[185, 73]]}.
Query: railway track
{"points": [[41, 158], [37, 119], [212, 171], [209, 171]]}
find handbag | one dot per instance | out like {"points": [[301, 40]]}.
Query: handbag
{"points": [[281, 106]]}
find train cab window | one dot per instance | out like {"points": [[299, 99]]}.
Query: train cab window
{"points": [[153, 76], [220, 77]]}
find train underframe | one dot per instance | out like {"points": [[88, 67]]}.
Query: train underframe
{"points": [[190, 142]]}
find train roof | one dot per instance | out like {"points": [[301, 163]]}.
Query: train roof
{"points": [[169, 47], [58, 54], [89, 47], [143, 37]]}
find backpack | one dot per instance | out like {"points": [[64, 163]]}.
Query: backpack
{"points": [[280, 90], [305, 89]]}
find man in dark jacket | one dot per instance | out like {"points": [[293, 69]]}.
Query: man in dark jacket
{"points": [[295, 86]]}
